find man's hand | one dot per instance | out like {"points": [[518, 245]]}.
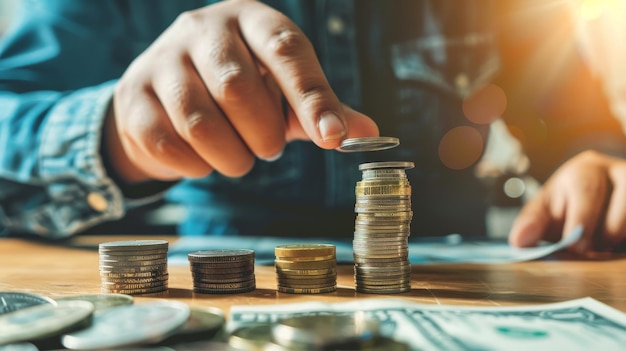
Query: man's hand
{"points": [[588, 190], [206, 95]]}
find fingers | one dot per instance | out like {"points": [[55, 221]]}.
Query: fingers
{"points": [[232, 78], [579, 193], [199, 121], [290, 58], [358, 125], [150, 140], [533, 221], [585, 204], [614, 229]]}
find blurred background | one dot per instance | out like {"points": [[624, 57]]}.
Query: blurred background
{"points": [[6, 12], [600, 29]]}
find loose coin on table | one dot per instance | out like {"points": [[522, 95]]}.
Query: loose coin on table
{"points": [[101, 302], [43, 321], [251, 338], [203, 324], [325, 331], [148, 322], [13, 301], [23, 346]]}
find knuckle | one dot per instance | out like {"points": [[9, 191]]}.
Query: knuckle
{"points": [[287, 42], [313, 92], [233, 83], [160, 145], [187, 17], [197, 127]]}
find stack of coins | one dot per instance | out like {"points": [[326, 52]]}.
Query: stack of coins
{"points": [[382, 228], [222, 271], [133, 267], [306, 268]]}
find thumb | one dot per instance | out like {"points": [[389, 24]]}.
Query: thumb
{"points": [[358, 125]]}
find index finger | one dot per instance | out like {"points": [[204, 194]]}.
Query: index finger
{"points": [[289, 55]]}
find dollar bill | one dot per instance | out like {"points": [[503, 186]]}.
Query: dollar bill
{"points": [[581, 324]]}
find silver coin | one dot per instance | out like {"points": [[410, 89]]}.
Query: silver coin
{"points": [[252, 338], [128, 325], [390, 164], [13, 301], [320, 331], [102, 302], [204, 346], [221, 255], [138, 245], [42, 321], [368, 144], [203, 323], [384, 173], [23, 346]]}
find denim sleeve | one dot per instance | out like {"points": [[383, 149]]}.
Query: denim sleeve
{"points": [[58, 65], [52, 181]]}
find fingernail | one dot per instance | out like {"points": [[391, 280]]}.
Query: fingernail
{"points": [[331, 127], [273, 158]]}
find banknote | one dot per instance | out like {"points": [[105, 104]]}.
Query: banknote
{"points": [[453, 248], [581, 324]]}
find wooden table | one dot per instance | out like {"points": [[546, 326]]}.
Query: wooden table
{"points": [[55, 271]]}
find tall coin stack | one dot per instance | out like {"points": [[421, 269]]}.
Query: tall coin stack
{"points": [[222, 271], [382, 228], [306, 268], [133, 267]]}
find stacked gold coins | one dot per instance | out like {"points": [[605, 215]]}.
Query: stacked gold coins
{"points": [[306, 268], [133, 267], [222, 271], [382, 228]]}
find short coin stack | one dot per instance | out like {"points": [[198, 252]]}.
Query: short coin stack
{"points": [[382, 228], [306, 268], [133, 267], [222, 271]]}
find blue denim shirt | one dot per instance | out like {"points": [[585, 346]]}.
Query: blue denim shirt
{"points": [[60, 60]]}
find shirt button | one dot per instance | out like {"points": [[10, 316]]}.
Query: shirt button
{"points": [[335, 25], [97, 202], [462, 81]]}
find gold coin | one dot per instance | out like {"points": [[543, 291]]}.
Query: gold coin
{"points": [[305, 250], [307, 290], [305, 265], [306, 258], [372, 190]]}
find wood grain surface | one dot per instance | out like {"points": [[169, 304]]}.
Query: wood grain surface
{"points": [[71, 268]]}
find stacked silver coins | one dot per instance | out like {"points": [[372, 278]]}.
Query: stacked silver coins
{"points": [[306, 268], [133, 267], [222, 271], [382, 228]]}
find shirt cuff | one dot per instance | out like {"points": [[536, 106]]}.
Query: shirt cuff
{"points": [[70, 163]]}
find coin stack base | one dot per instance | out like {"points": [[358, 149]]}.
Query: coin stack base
{"points": [[382, 228], [222, 271], [306, 268], [134, 267]]}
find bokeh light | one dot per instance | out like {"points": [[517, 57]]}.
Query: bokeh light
{"points": [[514, 187], [593, 9], [485, 105], [461, 147]]}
